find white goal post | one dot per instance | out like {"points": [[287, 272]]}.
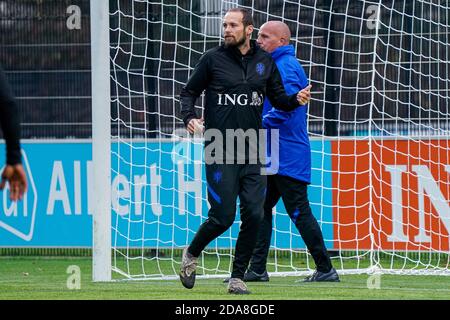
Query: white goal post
{"points": [[378, 121], [101, 141]]}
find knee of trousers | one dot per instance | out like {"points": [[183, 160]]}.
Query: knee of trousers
{"points": [[253, 214], [223, 220], [268, 210], [304, 208]]}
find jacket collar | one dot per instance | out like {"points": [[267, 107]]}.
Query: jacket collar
{"points": [[253, 48], [283, 50]]}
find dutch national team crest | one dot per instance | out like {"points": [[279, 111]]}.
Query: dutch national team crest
{"points": [[260, 68]]}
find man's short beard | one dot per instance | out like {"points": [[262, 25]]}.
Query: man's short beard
{"points": [[237, 43]]}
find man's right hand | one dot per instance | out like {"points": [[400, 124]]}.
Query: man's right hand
{"points": [[16, 177], [195, 126]]}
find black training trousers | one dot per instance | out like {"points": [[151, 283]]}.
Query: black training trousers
{"points": [[225, 183], [295, 199]]}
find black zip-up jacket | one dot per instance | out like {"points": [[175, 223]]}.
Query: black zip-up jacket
{"points": [[9, 122], [236, 86]]}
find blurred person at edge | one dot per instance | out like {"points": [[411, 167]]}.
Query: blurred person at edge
{"points": [[13, 172]]}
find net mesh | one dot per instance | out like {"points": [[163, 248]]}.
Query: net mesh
{"points": [[378, 124]]}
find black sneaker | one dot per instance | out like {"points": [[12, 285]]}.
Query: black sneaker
{"points": [[187, 272], [252, 276], [318, 276], [237, 286]]}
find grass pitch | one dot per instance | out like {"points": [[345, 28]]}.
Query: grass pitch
{"points": [[32, 278]]}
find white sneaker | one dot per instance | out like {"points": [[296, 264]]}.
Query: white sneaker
{"points": [[187, 272], [237, 286]]}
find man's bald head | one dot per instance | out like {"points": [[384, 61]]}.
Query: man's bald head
{"points": [[273, 34], [279, 28]]}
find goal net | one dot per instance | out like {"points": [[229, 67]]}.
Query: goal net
{"points": [[378, 124]]}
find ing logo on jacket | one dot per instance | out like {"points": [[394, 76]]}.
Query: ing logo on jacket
{"points": [[241, 99]]}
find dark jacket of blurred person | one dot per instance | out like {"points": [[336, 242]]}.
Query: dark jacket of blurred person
{"points": [[13, 172]]}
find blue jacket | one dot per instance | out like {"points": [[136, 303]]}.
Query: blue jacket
{"points": [[294, 147]]}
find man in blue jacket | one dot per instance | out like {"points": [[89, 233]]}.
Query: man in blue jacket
{"points": [[291, 180]]}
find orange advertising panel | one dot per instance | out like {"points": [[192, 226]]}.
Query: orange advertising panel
{"points": [[396, 190]]}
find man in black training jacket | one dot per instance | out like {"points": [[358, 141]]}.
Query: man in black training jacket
{"points": [[236, 77]]}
